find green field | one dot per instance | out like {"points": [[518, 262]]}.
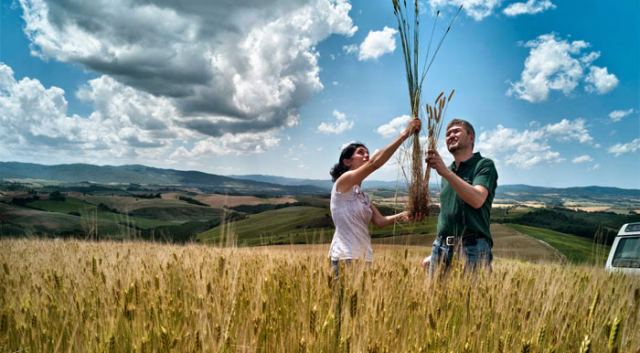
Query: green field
{"points": [[99, 217], [291, 225], [428, 226], [25, 221], [84, 209], [301, 224], [69, 205], [178, 214], [576, 249]]}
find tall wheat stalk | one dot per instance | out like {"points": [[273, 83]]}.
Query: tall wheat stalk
{"points": [[409, 30]]}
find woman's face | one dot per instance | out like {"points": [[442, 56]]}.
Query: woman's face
{"points": [[360, 157]]}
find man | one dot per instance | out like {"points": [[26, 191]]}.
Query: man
{"points": [[468, 189]]}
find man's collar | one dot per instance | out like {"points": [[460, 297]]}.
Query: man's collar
{"points": [[474, 157]]}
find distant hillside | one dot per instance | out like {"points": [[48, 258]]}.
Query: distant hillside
{"points": [[325, 184], [139, 174], [525, 192], [321, 183], [269, 185], [517, 192]]}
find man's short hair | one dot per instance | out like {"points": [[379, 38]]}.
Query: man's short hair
{"points": [[467, 126]]}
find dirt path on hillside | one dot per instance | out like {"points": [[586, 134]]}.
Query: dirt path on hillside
{"points": [[513, 244]]}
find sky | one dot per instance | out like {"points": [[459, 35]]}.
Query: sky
{"points": [[277, 87]]}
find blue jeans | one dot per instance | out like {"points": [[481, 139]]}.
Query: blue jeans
{"points": [[474, 254], [335, 267]]}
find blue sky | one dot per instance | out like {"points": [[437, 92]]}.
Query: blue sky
{"points": [[278, 86]]}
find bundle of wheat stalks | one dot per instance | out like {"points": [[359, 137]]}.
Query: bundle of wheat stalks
{"points": [[409, 37], [435, 116]]}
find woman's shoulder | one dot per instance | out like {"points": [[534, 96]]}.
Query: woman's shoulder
{"points": [[354, 189]]}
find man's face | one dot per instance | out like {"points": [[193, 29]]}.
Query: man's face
{"points": [[458, 138]]}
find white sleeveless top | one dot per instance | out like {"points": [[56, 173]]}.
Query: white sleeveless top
{"points": [[351, 213]]}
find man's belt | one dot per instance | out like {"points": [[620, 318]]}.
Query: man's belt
{"points": [[470, 238]]}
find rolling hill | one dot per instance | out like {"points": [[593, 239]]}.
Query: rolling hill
{"points": [[139, 174], [257, 184]]}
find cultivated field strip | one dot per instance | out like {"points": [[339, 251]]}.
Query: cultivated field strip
{"points": [[70, 296]]}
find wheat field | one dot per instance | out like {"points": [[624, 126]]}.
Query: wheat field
{"points": [[72, 296]]}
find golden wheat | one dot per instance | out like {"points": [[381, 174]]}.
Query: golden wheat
{"points": [[70, 296]]}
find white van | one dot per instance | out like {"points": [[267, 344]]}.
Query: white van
{"points": [[625, 251]]}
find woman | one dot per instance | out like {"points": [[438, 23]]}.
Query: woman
{"points": [[351, 208]]}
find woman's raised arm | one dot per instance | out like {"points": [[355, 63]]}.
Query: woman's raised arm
{"points": [[377, 160]]}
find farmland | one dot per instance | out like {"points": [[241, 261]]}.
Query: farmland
{"points": [[180, 207], [70, 296], [136, 296]]}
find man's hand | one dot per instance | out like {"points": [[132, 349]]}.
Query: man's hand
{"points": [[435, 161], [474, 195], [418, 217]]}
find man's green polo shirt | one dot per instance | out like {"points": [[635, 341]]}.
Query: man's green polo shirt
{"points": [[456, 216]]}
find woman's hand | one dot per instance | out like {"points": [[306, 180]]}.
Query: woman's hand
{"points": [[426, 262], [413, 126], [406, 216], [403, 216]]}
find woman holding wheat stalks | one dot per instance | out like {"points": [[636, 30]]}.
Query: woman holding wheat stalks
{"points": [[351, 208]]}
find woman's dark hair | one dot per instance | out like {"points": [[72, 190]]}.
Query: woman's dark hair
{"points": [[347, 152]]}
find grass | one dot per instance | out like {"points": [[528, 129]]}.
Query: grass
{"points": [[299, 224], [576, 249], [507, 244], [144, 215], [70, 296], [127, 204], [80, 207], [178, 214], [302, 224], [428, 226], [67, 206], [32, 221]]}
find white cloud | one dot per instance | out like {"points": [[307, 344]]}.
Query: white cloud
{"points": [[476, 9], [618, 115], [595, 167], [557, 64], [393, 127], [126, 124], [341, 125], [229, 68], [567, 130], [582, 159], [125, 121], [226, 144], [528, 148], [624, 148], [522, 149], [600, 80], [377, 44], [350, 49], [530, 7]]}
